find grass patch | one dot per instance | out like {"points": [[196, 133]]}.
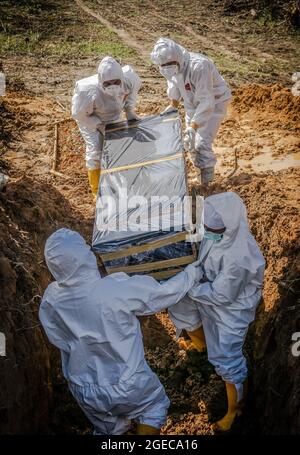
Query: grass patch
{"points": [[242, 69], [88, 48], [68, 44], [19, 43], [55, 28], [238, 67]]}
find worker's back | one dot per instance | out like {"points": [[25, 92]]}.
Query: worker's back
{"points": [[87, 317], [201, 68]]}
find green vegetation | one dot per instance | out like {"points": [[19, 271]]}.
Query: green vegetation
{"points": [[35, 28], [33, 42], [267, 12]]}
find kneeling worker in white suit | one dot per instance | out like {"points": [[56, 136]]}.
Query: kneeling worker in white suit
{"points": [[99, 100], [194, 78], [221, 306], [93, 321]]}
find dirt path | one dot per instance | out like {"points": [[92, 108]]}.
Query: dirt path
{"points": [[122, 34]]}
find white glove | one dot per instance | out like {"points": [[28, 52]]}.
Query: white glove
{"points": [[195, 271], [168, 109], [101, 128], [189, 139], [131, 115]]}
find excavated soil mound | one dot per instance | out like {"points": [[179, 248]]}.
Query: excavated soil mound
{"points": [[29, 212], [12, 123], [262, 129], [71, 150], [271, 101]]}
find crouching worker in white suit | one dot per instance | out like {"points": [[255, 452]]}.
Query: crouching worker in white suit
{"points": [[93, 321], [221, 306], [194, 78], [99, 100]]}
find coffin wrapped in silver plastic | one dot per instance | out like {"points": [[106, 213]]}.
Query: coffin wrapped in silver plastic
{"points": [[143, 212]]}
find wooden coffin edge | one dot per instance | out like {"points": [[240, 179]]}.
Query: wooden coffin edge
{"points": [[156, 265], [146, 247]]}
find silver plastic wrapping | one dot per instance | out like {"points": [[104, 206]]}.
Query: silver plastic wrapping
{"points": [[143, 190]]}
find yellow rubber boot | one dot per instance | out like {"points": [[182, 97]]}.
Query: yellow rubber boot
{"points": [[197, 341], [234, 409], [146, 429], [94, 175]]}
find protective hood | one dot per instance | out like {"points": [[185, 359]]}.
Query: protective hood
{"points": [[211, 218], [237, 245], [227, 207], [166, 50], [69, 258], [108, 70], [93, 322], [233, 266]]}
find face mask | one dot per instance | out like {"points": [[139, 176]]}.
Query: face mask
{"points": [[113, 90], [212, 236], [168, 71]]}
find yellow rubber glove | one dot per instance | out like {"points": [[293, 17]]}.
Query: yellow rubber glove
{"points": [[94, 175]]}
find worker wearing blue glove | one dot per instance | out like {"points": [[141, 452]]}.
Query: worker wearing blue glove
{"points": [[218, 310]]}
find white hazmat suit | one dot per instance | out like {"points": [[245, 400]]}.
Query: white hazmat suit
{"points": [[204, 92], [94, 104], [226, 298], [93, 108], [93, 321]]}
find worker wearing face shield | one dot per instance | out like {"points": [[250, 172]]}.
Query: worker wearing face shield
{"points": [[98, 100]]}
